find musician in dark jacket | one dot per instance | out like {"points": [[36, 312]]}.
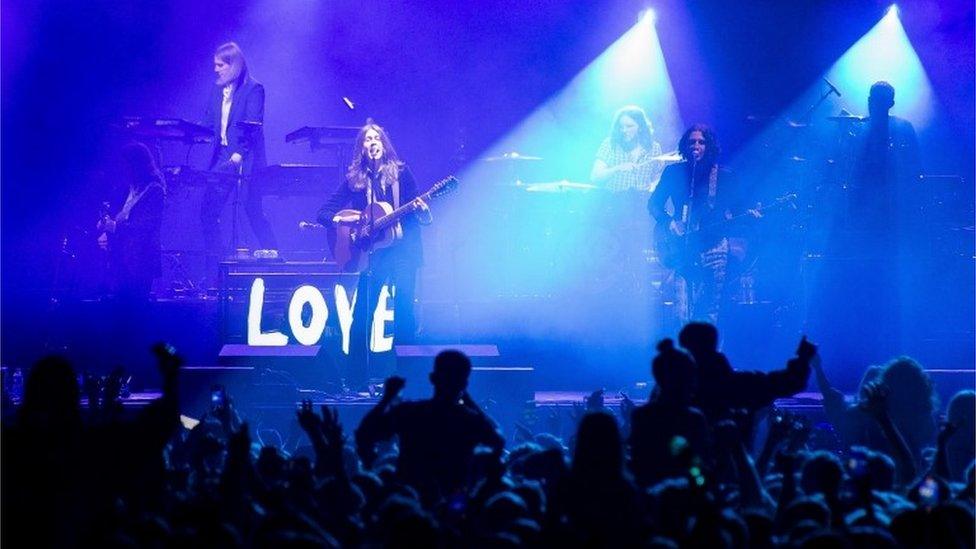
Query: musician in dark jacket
{"points": [[134, 232], [702, 199], [376, 174], [235, 113]]}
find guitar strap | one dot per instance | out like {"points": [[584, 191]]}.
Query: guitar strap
{"points": [[712, 185], [371, 198], [398, 229], [712, 192]]}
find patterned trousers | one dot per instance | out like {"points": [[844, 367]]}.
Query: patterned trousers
{"points": [[699, 290]]}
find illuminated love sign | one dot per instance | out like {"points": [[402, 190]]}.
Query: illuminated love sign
{"points": [[309, 332]]}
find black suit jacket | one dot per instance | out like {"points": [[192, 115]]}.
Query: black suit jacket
{"points": [[247, 106], [675, 184]]}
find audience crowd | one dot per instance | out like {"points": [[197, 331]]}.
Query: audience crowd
{"points": [[707, 462]]}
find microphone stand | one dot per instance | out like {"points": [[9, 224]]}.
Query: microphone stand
{"points": [[370, 312], [238, 186], [249, 127], [805, 119]]}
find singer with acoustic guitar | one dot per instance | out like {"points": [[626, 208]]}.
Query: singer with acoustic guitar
{"points": [[377, 179]]}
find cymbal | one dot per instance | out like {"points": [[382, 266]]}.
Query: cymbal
{"points": [[673, 156], [512, 156], [558, 187], [847, 118]]}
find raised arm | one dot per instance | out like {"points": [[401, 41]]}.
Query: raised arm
{"points": [[751, 489], [491, 436], [941, 464], [876, 405], [833, 400], [378, 423]]}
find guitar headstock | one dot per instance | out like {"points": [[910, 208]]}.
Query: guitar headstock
{"points": [[447, 185]]}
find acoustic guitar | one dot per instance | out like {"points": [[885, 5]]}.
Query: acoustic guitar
{"points": [[375, 229]]}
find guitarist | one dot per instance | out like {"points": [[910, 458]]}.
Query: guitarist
{"points": [[376, 174], [690, 206], [132, 235]]}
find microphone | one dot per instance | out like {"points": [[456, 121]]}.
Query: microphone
{"points": [[833, 88], [250, 125]]}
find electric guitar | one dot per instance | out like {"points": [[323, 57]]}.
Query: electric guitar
{"points": [[351, 242], [677, 251]]}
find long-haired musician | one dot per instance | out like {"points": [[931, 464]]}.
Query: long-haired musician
{"points": [[133, 233], [691, 206], [235, 112], [376, 174], [625, 159]]}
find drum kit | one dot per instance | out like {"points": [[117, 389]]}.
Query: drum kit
{"points": [[514, 159], [546, 220]]}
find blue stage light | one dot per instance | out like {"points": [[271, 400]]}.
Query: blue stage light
{"points": [[545, 231], [647, 16], [885, 53]]}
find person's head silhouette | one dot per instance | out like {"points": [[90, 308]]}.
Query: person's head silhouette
{"points": [[699, 338], [880, 99], [51, 394], [450, 375], [674, 371]]}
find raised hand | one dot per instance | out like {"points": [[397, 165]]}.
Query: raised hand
{"points": [[168, 361], [239, 443], [875, 401], [307, 419], [594, 402], [805, 349], [780, 422], [626, 407], [786, 462], [331, 427], [946, 430], [392, 387]]}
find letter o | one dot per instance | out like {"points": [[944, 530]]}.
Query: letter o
{"points": [[307, 335]]}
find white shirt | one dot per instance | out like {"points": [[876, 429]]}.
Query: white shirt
{"points": [[225, 112]]}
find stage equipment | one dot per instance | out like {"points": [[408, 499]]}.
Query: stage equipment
{"points": [[165, 129], [558, 187], [513, 157], [323, 137], [673, 156]]}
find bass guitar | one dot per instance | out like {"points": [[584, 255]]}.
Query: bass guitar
{"points": [[351, 242], [679, 251]]}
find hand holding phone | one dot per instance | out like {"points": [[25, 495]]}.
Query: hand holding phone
{"points": [[218, 397]]}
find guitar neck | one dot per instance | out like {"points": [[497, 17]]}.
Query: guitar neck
{"points": [[395, 215]]}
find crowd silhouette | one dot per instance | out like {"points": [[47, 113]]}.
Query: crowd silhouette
{"points": [[707, 462]]}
